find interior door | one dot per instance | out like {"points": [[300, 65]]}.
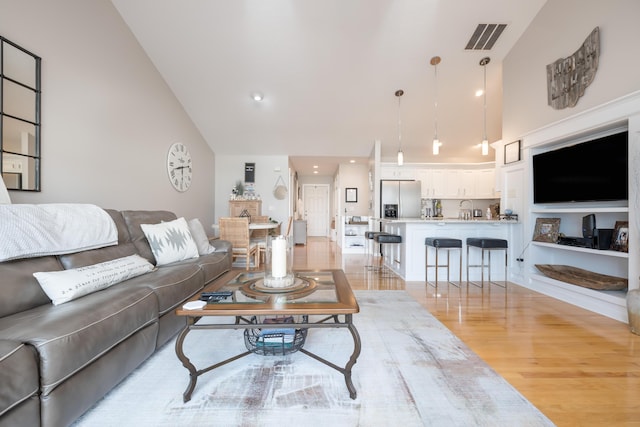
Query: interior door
{"points": [[316, 209]]}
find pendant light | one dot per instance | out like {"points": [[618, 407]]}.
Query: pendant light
{"points": [[485, 142], [399, 94], [436, 142]]}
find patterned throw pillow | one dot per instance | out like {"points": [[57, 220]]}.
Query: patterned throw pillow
{"points": [[170, 241], [67, 285]]}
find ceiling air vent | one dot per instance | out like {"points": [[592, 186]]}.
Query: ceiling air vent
{"points": [[485, 36]]}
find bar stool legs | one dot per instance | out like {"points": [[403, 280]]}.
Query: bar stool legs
{"points": [[386, 239], [447, 244], [487, 245], [370, 249]]}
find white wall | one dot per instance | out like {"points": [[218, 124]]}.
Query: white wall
{"points": [[230, 169], [108, 118], [558, 31], [354, 176]]}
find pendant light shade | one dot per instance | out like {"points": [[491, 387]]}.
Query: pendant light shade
{"points": [[399, 94], [436, 142], [485, 142]]}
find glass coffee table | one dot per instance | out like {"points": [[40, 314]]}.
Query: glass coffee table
{"points": [[275, 321]]}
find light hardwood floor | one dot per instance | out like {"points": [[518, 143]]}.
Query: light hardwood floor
{"points": [[577, 367]]}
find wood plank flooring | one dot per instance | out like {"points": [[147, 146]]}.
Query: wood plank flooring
{"points": [[579, 368]]}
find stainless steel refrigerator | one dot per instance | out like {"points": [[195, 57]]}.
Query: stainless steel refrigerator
{"points": [[399, 199]]}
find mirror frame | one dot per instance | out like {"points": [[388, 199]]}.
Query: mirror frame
{"points": [[33, 158]]}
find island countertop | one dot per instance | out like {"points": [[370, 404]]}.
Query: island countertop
{"points": [[407, 259], [444, 220]]}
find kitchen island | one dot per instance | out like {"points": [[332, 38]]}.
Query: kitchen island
{"points": [[408, 258]]}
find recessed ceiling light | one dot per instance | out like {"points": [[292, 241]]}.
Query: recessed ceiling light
{"points": [[257, 96], [315, 171], [315, 166], [352, 161], [479, 92]]}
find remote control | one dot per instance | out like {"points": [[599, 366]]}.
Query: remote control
{"points": [[217, 294]]}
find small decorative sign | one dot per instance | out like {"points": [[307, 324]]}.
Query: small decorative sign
{"points": [[567, 78]]}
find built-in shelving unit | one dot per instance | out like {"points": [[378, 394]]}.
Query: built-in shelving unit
{"points": [[621, 113], [353, 239]]}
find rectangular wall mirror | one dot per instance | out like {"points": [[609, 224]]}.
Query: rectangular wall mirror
{"points": [[19, 117]]}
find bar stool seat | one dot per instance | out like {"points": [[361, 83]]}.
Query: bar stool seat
{"points": [[444, 243], [370, 236], [385, 239], [487, 244]]}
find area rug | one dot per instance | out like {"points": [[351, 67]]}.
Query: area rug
{"points": [[412, 372]]}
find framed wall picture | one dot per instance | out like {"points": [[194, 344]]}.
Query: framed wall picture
{"points": [[512, 152], [547, 230], [620, 238], [351, 195]]}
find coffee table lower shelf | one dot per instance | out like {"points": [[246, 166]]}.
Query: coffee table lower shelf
{"points": [[331, 321]]}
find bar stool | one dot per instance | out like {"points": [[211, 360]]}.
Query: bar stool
{"points": [[443, 243], [486, 244], [369, 250], [386, 239]]}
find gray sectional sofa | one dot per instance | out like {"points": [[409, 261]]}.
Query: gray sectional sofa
{"points": [[56, 361]]}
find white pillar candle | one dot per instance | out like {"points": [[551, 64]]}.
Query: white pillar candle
{"points": [[279, 257]]}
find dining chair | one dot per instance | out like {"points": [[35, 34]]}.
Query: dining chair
{"points": [[259, 237], [236, 231], [289, 222]]}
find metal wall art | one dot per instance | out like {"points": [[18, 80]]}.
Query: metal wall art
{"points": [[567, 78]]}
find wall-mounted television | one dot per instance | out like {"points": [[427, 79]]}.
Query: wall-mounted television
{"points": [[595, 170]]}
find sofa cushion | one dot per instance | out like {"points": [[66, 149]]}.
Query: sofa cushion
{"points": [[19, 290], [170, 241], [69, 337], [133, 219], [213, 265], [171, 284], [67, 285], [18, 375]]}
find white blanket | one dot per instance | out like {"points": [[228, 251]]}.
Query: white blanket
{"points": [[52, 229]]}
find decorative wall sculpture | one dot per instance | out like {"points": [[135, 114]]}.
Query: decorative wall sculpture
{"points": [[567, 78]]}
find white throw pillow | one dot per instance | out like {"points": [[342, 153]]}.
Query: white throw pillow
{"points": [[66, 285], [200, 237], [170, 241]]}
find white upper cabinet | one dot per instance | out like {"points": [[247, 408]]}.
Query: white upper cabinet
{"points": [[456, 183], [397, 172]]}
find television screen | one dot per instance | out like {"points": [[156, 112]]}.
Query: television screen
{"points": [[595, 170]]}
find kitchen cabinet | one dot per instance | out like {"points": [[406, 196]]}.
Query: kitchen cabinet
{"points": [[457, 183], [397, 172]]}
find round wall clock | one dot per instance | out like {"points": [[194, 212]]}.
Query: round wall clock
{"points": [[179, 166]]}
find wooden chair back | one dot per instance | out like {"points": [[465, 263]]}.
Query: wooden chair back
{"points": [[260, 234], [236, 231]]}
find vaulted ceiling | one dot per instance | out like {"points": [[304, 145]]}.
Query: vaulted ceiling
{"points": [[328, 71]]}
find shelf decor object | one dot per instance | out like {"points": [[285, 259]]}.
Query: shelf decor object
{"points": [[568, 78], [584, 278], [620, 240], [512, 152], [547, 230]]}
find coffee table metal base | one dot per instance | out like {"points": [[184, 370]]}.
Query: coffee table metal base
{"points": [[332, 321]]}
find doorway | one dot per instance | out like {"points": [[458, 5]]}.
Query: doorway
{"points": [[315, 199]]}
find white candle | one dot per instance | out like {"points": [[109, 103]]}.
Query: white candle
{"points": [[279, 257]]}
